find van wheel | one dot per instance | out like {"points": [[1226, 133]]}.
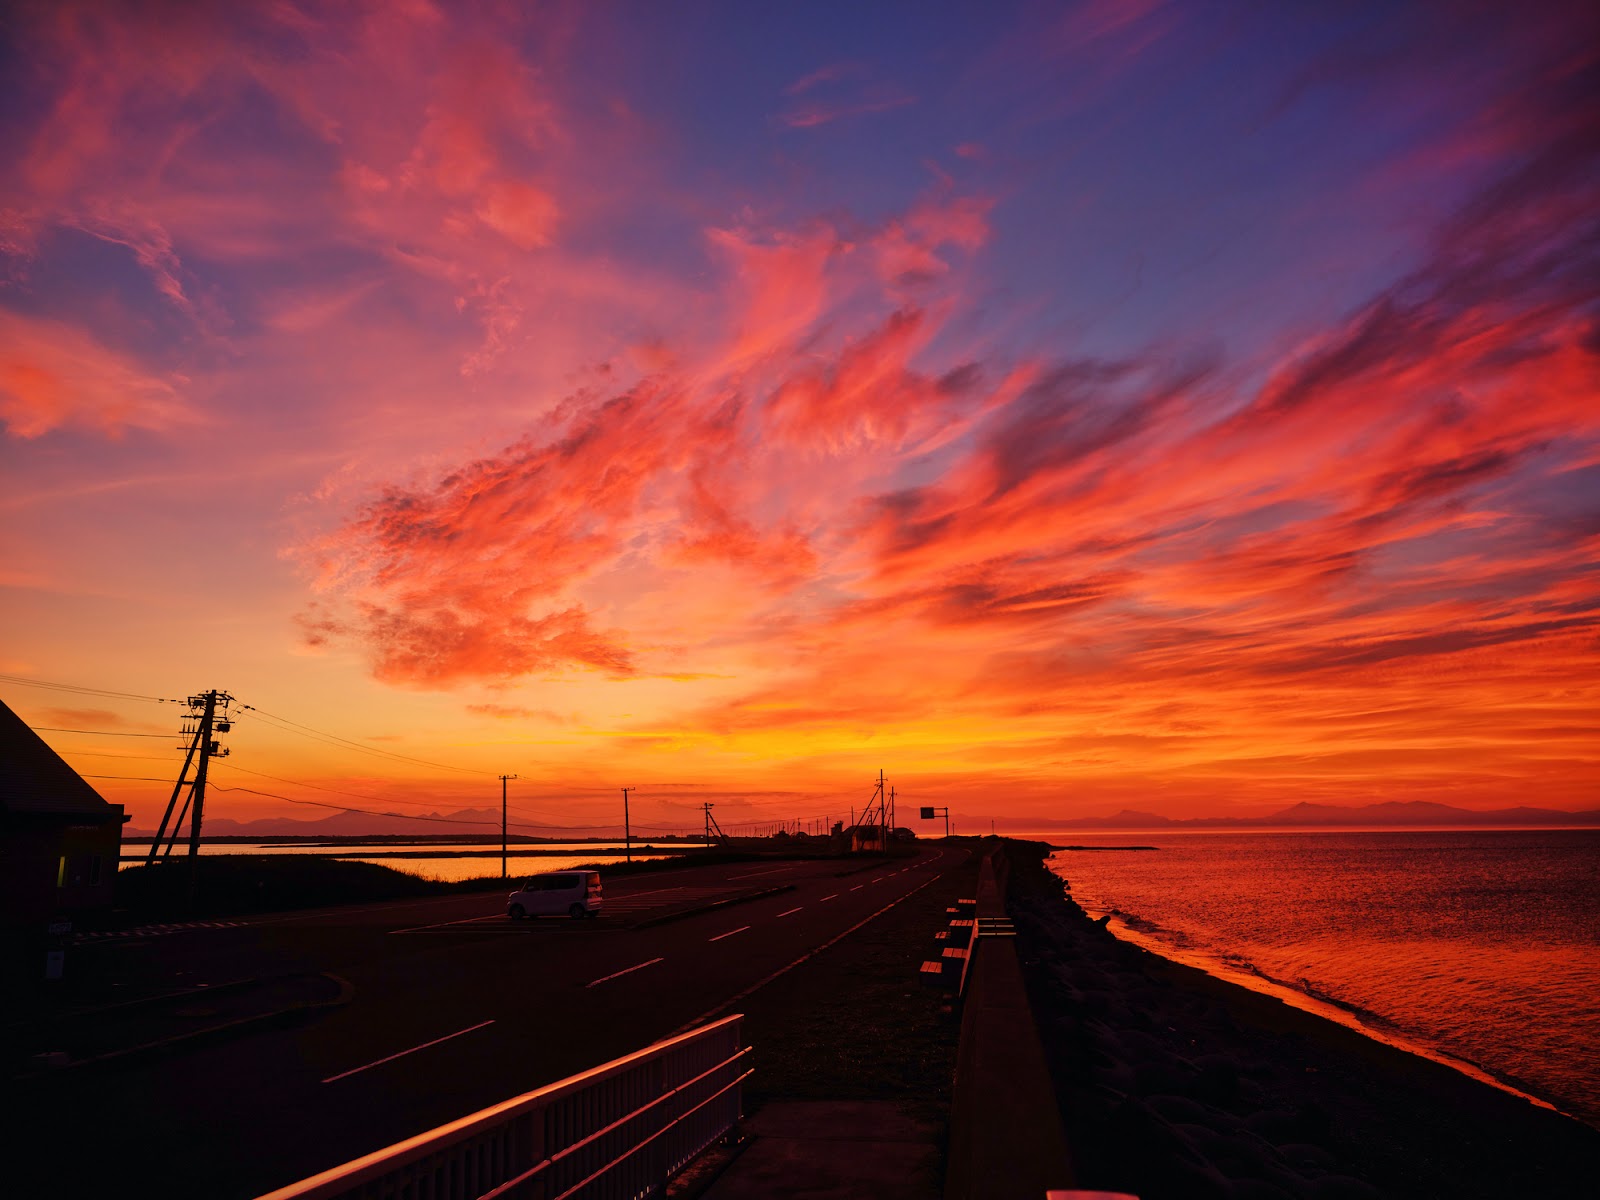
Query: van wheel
{"points": [[576, 912], [516, 912]]}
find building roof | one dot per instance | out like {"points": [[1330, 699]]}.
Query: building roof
{"points": [[35, 779]]}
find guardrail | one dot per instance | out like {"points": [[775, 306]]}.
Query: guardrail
{"points": [[617, 1132]]}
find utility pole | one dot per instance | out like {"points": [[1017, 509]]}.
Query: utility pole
{"points": [[627, 835], [503, 839], [203, 747], [208, 747]]}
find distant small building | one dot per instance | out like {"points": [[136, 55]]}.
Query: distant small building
{"points": [[866, 839], [59, 839]]}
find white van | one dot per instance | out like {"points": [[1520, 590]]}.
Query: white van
{"points": [[576, 893]]}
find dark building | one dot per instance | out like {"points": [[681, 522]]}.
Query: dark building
{"points": [[59, 839]]}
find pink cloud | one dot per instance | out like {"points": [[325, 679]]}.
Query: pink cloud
{"points": [[53, 376], [523, 214]]}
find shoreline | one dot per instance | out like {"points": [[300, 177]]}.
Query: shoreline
{"points": [[1175, 1082], [1327, 1010]]}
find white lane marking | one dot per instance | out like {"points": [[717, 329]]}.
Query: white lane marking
{"points": [[858, 887], [447, 924], [619, 974], [879, 879], [362, 910], [730, 933], [835, 896], [781, 971], [403, 1053], [768, 871], [785, 914]]}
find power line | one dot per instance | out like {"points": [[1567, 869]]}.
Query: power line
{"points": [[379, 799], [100, 732], [321, 787], [81, 690], [141, 778], [364, 811], [140, 757], [307, 731]]}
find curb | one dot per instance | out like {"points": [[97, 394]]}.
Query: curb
{"points": [[650, 922], [346, 992], [701, 1173]]}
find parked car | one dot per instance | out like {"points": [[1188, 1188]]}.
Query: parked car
{"points": [[576, 893]]}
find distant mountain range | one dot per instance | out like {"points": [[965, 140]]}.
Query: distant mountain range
{"points": [[1319, 816], [1333, 816]]}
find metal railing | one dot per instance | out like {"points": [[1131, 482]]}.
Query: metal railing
{"points": [[617, 1132]]}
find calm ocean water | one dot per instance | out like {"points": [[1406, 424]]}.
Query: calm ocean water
{"points": [[1483, 946]]}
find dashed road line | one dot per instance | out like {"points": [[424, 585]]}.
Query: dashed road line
{"points": [[730, 933], [785, 914], [858, 887], [626, 971], [835, 896], [403, 1053], [144, 931], [781, 971]]}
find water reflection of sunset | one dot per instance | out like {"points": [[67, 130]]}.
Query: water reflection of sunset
{"points": [[1064, 412]]}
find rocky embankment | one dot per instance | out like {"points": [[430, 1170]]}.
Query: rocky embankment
{"points": [[1175, 1085]]}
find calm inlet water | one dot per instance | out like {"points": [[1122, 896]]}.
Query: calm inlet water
{"points": [[1484, 946], [454, 862]]}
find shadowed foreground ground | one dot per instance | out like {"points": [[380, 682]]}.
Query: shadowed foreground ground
{"points": [[1174, 1084]]}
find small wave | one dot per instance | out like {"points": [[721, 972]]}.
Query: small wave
{"points": [[1175, 938], [1360, 1011], [1135, 921], [1105, 847]]}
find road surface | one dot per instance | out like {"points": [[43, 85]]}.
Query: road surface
{"points": [[453, 1007]]}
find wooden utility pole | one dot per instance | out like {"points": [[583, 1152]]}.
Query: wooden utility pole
{"points": [[207, 749], [209, 722], [503, 838], [627, 833]]}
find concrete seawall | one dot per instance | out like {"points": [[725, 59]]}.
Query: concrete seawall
{"points": [[1006, 1137]]}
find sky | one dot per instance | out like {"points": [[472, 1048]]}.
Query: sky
{"points": [[1060, 408]]}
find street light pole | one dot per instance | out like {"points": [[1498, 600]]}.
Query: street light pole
{"points": [[503, 779]]}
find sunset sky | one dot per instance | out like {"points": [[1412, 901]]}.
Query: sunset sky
{"points": [[1192, 408]]}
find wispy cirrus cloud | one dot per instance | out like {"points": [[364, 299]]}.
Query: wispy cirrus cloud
{"points": [[772, 452], [838, 91]]}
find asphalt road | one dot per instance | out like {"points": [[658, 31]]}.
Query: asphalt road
{"points": [[454, 1007]]}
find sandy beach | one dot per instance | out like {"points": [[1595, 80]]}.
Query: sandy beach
{"points": [[1177, 1084]]}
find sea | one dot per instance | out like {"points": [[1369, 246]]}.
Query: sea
{"points": [[447, 862], [1480, 948]]}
